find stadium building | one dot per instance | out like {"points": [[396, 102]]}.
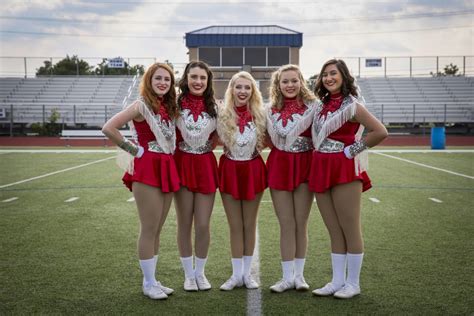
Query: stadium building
{"points": [[259, 50]]}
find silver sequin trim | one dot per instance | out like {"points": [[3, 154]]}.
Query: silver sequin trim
{"points": [[331, 146], [154, 147], [241, 156], [301, 144], [357, 148], [183, 146]]}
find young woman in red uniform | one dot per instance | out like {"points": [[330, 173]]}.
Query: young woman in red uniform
{"points": [[152, 176], [338, 172], [289, 126], [197, 167], [242, 173]]}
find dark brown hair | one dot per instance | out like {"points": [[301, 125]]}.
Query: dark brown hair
{"points": [[208, 94], [348, 82], [149, 95]]}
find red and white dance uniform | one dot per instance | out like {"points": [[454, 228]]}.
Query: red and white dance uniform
{"points": [[196, 163], [242, 172], [156, 167], [332, 131], [289, 128]]}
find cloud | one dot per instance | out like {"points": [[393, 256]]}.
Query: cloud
{"points": [[155, 30]]}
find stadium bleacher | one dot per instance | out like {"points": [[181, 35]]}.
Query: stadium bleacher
{"points": [[90, 101], [78, 99], [420, 99]]}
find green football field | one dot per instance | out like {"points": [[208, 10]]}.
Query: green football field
{"points": [[68, 242]]}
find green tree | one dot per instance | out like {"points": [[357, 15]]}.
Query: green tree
{"points": [[103, 69], [448, 70], [68, 66]]}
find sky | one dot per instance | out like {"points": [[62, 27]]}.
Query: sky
{"points": [[146, 30]]}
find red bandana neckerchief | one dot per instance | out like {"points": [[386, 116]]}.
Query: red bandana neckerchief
{"points": [[290, 107], [244, 116], [195, 104]]}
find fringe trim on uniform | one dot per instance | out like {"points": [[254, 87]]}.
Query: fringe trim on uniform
{"points": [[124, 159], [284, 142], [335, 122], [196, 138], [361, 161]]}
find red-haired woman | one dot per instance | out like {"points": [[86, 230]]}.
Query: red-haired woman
{"points": [[152, 176]]}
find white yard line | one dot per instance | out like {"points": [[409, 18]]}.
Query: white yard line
{"points": [[426, 166], [254, 297], [55, 172], [436, 200], [132, 199], [10, 199], [374, 200], [74, 198]]}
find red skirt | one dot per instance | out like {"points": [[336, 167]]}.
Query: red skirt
{"points": [[286, 171], [154, 169], [330, 169], [242, 179], [197, 172]]}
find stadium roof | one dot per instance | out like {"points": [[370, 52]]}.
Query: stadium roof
{"points": [[244, 35]]}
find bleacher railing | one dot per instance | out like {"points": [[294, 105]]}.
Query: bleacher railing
{"points": [[361, 66]]}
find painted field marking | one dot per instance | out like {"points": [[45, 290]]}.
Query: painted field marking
{"points": [[55, 172], [74, 198], [266, 201], [131, 199], [374, 200], [426, 166], [436, 200], [254, 297], [10, 199]]}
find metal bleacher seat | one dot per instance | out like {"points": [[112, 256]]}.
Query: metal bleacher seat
{"points": [[420, 99]]}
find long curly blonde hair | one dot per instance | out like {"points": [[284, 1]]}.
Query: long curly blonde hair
{"points": [[227, 116], [276, 96]]}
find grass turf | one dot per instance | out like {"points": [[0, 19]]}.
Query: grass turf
{"points": [[80, 257]]}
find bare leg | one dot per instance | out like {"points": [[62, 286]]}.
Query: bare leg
{"points": [[284, 209], [150, 204], [347, 200], [303, 199], [329, 215], [184, 200], [203, 204], [168, 197], [250, 213], [233, 211]]}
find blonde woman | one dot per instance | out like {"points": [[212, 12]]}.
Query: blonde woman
{"points": [[242, 173], [289, 125]]}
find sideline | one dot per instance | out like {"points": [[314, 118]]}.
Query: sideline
{"points": [[55, 172], [426, 166]]}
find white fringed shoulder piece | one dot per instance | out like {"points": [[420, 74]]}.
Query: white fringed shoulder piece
{"points": [[124, 160], [324, 126], [283, 138]]}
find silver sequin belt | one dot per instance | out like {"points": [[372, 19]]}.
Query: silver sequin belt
{"points": [[301, 144], [240, 156], [154, 147], [331, 146], [184, 147]]}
